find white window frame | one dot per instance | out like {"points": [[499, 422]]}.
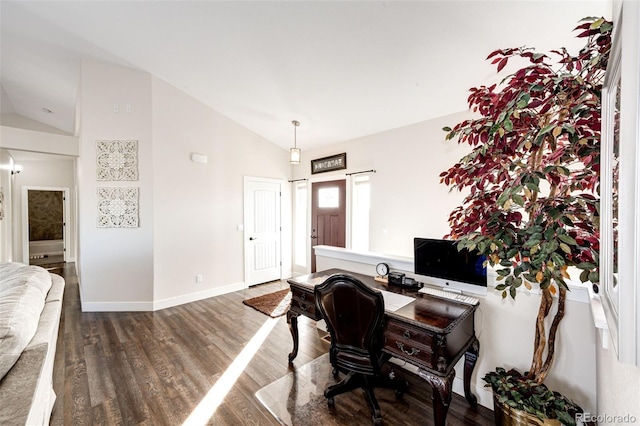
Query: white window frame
{"points": [[621, 303], [298, 218], [359, 180]]}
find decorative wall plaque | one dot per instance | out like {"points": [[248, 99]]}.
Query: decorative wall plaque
{"points": [[327, 164], [117, 160], [118, 207]]}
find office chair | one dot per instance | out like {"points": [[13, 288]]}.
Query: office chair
{"points": [[354, 314]]}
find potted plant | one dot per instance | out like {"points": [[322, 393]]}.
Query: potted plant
{"points": [[518, 399], [532, 180]]}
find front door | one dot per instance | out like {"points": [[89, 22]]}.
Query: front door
{"points": [[262, 230], [328, 215]]}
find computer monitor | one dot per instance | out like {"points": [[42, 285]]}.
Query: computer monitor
{"points": [[439, 263]]}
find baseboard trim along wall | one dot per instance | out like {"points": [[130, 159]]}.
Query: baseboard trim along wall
{"points": [[116, 306], [159, 304], [198, 295]]}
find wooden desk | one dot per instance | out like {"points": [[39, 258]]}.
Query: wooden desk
{"points": [[430, 332]]}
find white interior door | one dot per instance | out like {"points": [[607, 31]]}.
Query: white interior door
{"points": [[262, 230]]}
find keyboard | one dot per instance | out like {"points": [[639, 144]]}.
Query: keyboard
{"points": [[459, 297]]}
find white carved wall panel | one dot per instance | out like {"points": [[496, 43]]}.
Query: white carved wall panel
{"points": [[117, 160], [118, 207]]}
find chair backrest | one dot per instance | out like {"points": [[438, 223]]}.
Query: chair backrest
{"points": [[354, 314]]}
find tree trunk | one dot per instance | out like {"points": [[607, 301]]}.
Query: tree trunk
{"points": [[551, 347], [540, 364]]}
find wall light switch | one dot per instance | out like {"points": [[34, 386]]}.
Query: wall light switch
{"points": [[127, 108], [240, 227], [199, 278], [116, 108]]}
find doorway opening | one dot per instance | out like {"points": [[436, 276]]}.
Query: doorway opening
{"points": [[45, 221]]}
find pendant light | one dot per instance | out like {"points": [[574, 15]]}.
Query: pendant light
{"points": [[294, 153]]}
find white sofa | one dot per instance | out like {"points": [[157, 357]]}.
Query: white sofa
{"points": [[30, 309]]}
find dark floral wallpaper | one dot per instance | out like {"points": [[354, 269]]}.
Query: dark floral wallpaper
{"points": [[45, 215]]}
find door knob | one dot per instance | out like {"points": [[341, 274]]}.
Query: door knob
{"points": [[252, 238]]}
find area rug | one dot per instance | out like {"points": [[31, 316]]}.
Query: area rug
{"points": [[273, 304]]}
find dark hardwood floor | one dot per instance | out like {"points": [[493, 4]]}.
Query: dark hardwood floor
{"points": [[154, 368]]}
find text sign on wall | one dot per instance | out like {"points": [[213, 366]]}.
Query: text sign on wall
{"points": [[327, 164]]}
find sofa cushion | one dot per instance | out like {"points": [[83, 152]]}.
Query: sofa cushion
{"points": [[23, 290], [19, 386]]}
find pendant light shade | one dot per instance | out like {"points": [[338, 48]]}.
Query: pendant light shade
{"points": [[294, 153]]}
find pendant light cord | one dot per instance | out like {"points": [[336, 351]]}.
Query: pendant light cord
{"points": [[295, 139]]}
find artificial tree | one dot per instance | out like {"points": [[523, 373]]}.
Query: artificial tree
{"points": [[532, 175]]}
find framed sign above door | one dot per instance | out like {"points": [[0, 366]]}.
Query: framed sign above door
{"points": [[328, 164]]}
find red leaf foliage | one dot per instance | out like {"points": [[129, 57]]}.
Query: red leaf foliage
{"points": [[532, 174]]}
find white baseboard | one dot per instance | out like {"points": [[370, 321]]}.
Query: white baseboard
{"points": [[484, 395], [199, 295], [159, 304], [116, 306]]}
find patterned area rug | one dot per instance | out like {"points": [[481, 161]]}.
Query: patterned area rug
{"points": [[272, 304]]}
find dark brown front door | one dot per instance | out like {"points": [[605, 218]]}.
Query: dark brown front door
{"points": [[328, 215]]}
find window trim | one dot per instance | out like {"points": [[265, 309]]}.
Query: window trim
{"points": [[621, 309]]}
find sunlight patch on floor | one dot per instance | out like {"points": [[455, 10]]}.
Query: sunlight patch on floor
{"points": [[212, 400]]}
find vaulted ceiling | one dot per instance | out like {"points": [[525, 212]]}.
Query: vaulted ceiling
{"points": [[343, 69]]}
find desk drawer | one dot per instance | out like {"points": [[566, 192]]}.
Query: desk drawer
{"points": [[303, 302], [409, 350], [410, 333]]}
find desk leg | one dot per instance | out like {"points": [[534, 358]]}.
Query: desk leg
{"points": [[470, 358], [441, 394], [292, 320]]}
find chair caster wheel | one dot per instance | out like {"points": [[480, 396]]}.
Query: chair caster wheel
{"points": [[377, 421], [330, 402], [399, 394], [335, 373]]}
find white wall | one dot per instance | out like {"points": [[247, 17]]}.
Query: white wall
{"points": [[198, 207], [618, 386], [115, 265], [407, 199], [189, 212]]}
